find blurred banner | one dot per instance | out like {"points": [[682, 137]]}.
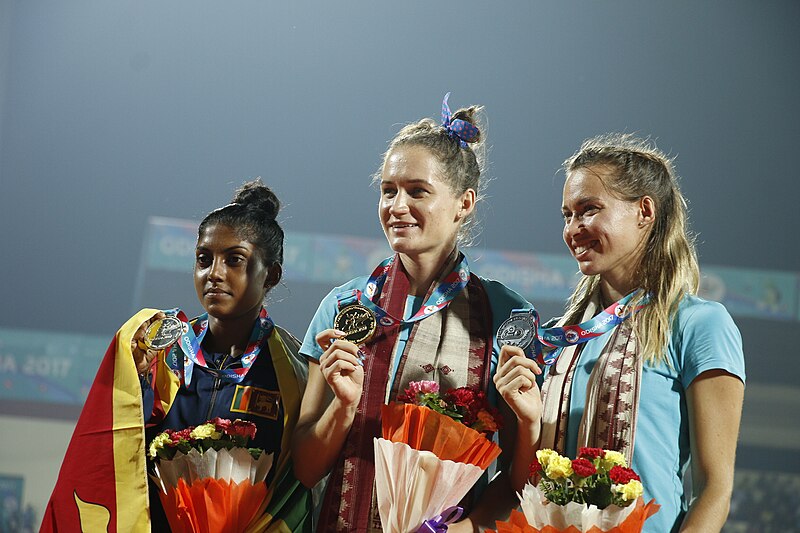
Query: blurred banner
{"points": [[333, 259], [56, 369]]}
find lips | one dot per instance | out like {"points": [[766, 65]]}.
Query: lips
{"points": [[215, 291], [581, 251], [402, 225]]}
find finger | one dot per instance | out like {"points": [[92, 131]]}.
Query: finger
{"points": [[505, 378], [518, 385], [330, 358], [325, 337], [339, 345], [519, 359], [340, 367], [507, 352]]}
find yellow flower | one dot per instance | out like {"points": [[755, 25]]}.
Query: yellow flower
{"points": [[545, 456], [559, 467], [612, 459], [629, 491], [205, 431], [158, 443]]}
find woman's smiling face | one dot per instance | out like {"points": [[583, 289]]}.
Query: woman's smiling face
{"points": [[418, 210], [602, 231]]}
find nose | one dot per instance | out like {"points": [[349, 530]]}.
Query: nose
{"points": [[399, 204], [217, 270], [572, 227]]}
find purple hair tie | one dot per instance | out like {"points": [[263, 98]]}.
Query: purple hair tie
{"points": [[457, 129]]}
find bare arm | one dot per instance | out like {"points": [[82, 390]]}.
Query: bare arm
{"points": [[715, 409], [522, 410], [328, 408]]}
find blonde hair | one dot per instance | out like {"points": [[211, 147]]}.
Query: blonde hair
{"points": [[461, 166], [667, 268]]}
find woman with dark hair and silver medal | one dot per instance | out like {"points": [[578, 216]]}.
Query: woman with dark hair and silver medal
{"points": [[233, 361], [421, 315]]}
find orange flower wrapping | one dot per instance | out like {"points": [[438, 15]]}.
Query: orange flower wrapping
{"points": [[424, 429], [211, 505], [632, 524]]}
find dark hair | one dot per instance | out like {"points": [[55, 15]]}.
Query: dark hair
{"points": [[461, 166], [252, 216]]}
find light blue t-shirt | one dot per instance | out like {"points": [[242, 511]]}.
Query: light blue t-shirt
{"points": [[502, 301], [704, 337]]}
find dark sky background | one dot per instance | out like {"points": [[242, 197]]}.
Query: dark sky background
{"points": [[116, 111]]}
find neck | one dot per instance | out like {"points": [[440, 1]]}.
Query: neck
{"points": [[423, 270], [610, 293], [230, 335]]}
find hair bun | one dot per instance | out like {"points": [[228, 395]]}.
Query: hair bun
{"points": [[471, 114], [255, 195]]}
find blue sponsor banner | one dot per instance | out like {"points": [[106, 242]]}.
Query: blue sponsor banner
{"points": [[334, 259], [763, 294], [40, 366], [170, 244]]}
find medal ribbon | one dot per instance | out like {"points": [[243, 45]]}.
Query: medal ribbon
{"points": [[442, 295], [192, 338], [547, 339]]}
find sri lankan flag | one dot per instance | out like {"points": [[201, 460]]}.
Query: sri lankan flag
{"points": [[102, 485]]}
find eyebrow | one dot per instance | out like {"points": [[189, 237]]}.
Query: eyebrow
{"points": [[583, 201], [412, 180], [231, 249]]}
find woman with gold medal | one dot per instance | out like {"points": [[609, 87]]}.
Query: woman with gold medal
{"points": [[421, 315]]}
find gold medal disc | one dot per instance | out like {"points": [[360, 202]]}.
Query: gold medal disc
{"points": [[357, 322]]}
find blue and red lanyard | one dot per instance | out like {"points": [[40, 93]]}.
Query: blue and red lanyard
{"points": [[564, 336], [190, 343], [444, 292]]}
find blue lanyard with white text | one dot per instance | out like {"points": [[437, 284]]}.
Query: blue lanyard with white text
{"points": [[564, 336], [190, 344]]}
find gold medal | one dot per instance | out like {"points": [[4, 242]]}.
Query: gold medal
{"points": [[357, 322], [163, 332]]}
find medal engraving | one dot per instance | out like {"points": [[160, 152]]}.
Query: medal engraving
{"points": [[163, 332], [357, 322], [517, 330]]}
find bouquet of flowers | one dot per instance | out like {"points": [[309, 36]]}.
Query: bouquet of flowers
{"points": [[596, 492], [434, 448], [209, 479]]}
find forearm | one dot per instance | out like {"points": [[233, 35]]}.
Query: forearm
{"points": [[316, 445], [709, 511], [526, 444]]}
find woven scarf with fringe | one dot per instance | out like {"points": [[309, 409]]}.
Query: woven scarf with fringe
{"points": [[612, 393], [452, 347]]}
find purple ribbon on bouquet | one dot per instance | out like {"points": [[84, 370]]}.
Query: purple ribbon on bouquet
{"points": [[440, 523]]}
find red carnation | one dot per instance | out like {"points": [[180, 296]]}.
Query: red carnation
{"points": [[621, 475], [594, 453], [535, 468], [583, 467], [462, 396], [220, 424], [242, 428]]}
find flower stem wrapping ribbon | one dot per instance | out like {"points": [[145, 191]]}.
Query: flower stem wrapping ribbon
{"points": [[459, 129], [440, 523]]}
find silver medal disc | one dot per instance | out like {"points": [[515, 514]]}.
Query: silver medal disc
{"points": [[517, 330], [163, 332]]}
